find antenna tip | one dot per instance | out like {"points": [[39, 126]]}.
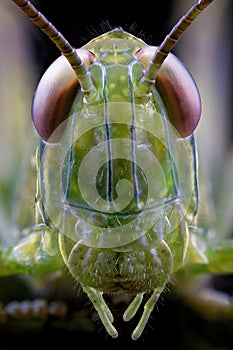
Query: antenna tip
{"points": [[205, 2]]}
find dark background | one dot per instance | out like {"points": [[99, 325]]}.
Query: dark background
{"points": [[83, 21]]}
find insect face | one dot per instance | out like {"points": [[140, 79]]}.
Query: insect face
{"points": [[116, 184]]}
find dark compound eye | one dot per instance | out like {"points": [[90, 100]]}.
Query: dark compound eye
{"points": [[178, 91], [180, 94], [55, 94]]}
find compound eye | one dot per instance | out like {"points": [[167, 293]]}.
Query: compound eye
{"points": [[178, 91], [55, 94]]}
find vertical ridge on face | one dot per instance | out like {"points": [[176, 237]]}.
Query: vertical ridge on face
{"points": [[133, 136], [108, 137]]}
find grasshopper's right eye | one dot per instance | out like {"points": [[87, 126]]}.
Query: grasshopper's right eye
{"points": [[178, 91], [55, 94]]}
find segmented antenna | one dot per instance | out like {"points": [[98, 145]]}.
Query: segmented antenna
{"points": [[63, 45], [171, 39]]}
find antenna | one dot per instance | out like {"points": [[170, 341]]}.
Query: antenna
{"points": [[63, 45], [170, 41]]}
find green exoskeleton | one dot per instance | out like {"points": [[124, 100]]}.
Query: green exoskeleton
{"points": [[117, 182]]}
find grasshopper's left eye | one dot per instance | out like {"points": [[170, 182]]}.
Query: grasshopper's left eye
{"points": [[54, 95], [178, 91]]}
